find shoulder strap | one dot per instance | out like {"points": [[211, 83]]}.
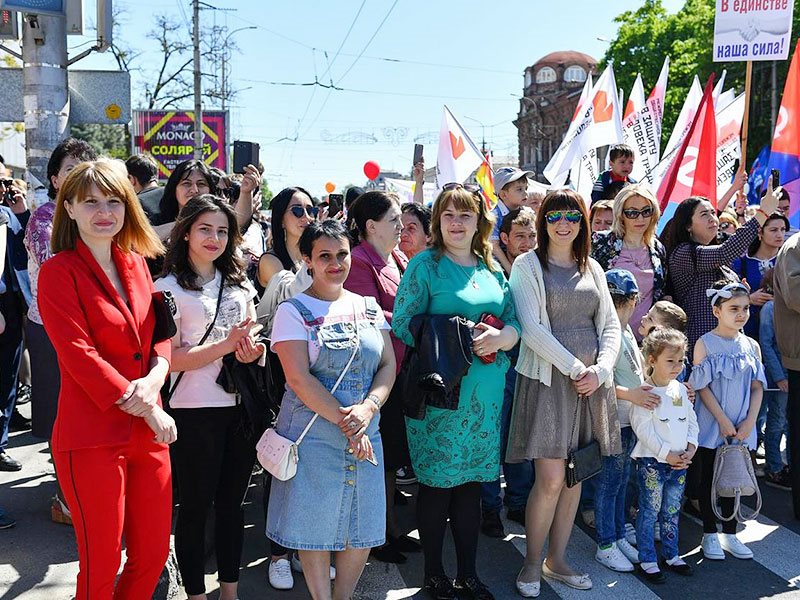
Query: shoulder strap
{"points": [[371, 308], [302, 309], [205, 335]]}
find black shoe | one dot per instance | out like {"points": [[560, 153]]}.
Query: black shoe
{"points": [[388, 554], [780, 480], [404, 543], [657, 577], [18, 423], [492, 526], [472, 587], [23, 394], [517, 515], [681, 569], [9, 464], [440, 587]]}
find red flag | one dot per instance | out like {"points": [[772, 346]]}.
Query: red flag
{"points": [[693, 172]]}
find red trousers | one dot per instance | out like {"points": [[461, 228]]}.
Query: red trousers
{"points": [[113, 491]]}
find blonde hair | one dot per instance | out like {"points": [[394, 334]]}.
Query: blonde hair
{"points": [[727, 217], [136, 234], [462, 199], [661, 339], [618, 228]]}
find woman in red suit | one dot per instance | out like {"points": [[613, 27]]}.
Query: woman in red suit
{"points": [[110, 436]]}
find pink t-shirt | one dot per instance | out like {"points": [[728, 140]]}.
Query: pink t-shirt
{"points": [[638, 262]]}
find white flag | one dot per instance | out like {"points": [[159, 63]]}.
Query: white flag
{"points": [[558, 179], [458, 156], [635, 100], [642, 130], [729, 146]]}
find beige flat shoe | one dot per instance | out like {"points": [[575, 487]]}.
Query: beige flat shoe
{"points": [[578, 582]]}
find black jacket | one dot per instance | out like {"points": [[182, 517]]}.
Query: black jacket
{"points": [[432, 370]]}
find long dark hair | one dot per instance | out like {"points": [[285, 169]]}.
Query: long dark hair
{"points": [[369, 206], [176, 261], [776, 216], [278, 206], [169, 201], [676, 231], [563, 200]]}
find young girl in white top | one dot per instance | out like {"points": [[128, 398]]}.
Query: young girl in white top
{"points": [[667, 441]]}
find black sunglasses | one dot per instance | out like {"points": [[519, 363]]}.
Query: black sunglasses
{"points": [[460, 186], [299, 211], [633, 213]]}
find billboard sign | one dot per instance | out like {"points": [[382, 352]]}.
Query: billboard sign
{"points": [[752, 30], [168, 136]]}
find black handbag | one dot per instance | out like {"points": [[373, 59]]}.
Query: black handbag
{"points": [[584, 462], [165, 311]]}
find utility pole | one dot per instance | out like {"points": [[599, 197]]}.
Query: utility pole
{"points": [[198, 100], [44, 89]]}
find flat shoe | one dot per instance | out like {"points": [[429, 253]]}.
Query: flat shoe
{"points": [[529, 589], [657, 577], [578, 582]]}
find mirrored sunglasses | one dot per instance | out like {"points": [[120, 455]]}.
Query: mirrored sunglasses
{"points": [[572, 216]]}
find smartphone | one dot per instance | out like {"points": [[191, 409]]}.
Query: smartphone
{"points": [[335, 204], [417, 154], [776, 178], [244, 153]]}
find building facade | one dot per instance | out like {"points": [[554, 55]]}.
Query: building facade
{"points": [[550, 95]]}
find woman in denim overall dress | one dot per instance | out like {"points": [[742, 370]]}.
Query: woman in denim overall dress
{"points": [[336, 501]]}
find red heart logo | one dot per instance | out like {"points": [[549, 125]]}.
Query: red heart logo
{"points": [[603, 109], [456, 145]]}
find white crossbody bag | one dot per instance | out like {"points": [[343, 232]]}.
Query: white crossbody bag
{"points": [[280, 455]]}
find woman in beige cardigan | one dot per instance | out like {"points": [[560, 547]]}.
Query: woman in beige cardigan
{"points": [[565, 393]]}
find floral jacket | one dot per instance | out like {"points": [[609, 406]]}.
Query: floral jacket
{"points": [[606, 248]]}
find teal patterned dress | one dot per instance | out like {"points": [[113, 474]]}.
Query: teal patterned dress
{"points": [[452, 447]]}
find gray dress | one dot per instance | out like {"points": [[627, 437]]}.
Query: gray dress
{"points": [[541, 424]]}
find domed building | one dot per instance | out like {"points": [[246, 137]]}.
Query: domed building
{"points": [[550, 95]]}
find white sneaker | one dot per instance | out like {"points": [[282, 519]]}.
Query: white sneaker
{"points": [[711, 547], [297, 567], [734, 545], [631, 553], [630, 534], [614, 559], [657, 532], [280, 574]]}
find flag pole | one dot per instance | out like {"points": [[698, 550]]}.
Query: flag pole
{"points": [[747, 82]]}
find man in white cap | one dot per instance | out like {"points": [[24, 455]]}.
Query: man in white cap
{"points": [[511, 187]]}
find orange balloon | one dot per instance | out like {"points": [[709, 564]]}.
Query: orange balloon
{"points": [[329, 187]]}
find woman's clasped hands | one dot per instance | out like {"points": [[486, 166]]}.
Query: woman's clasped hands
{"points": [[354, 423]]}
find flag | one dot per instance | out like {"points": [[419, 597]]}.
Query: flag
{"points": [[729, 146], [485, 178], [693, 172], [642, 130], [757, 179], [718, 89], [584, 173], [785, 153], [563, 168], [599, 123], [458, 155], [635, 100]]}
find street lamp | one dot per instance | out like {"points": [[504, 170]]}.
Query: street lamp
{"points": [[483, 130], [225, 60]]}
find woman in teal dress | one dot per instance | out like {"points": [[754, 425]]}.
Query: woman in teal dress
{"points": [[453, 451]]}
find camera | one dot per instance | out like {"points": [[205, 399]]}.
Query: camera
{"points": [[8, 195]]}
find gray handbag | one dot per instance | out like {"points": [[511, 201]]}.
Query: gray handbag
{"points": [[734, 477]]}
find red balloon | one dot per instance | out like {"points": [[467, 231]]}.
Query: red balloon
{"points": [[371, 170]]}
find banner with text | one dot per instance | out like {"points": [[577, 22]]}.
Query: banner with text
{"points": [[752, 30], [168, 136]]}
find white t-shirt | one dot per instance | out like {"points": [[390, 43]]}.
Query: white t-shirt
{"points": [[198, 388], [289, 325]]}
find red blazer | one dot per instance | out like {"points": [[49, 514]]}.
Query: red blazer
{"points": [[101, 343], [369, 276]]}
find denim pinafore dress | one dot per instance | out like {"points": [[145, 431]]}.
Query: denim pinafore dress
{"points": [[334, 501]]}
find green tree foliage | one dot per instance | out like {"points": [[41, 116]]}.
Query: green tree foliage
{"points": [[266, 195], [109, 140], [650, 33]]}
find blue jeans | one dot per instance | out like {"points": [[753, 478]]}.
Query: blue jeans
{"points": [[660, 492], [611, 486], [775, 401], [519, 476]]}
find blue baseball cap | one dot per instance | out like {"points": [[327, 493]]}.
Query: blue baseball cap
{"points": [[622, 282]]}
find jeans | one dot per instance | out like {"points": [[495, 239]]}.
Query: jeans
{"points": [[519, 476], [611, 487], [660, 492], [10, 356], [775, 401]]}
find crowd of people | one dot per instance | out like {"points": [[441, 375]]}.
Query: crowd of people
{"points": [[441, 345]]}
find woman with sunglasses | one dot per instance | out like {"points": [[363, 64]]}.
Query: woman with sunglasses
{"points": [[282, 275], [631, 244], [565, 385], [453, 451]]}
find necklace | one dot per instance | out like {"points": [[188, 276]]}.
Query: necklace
{"points": [[469, 277], [314, 294]]}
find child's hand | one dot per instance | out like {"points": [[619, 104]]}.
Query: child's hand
{"points": [[783, 385], [690, 391], [726, 428], [642, 396], [689, 453], [676, 461], [744, 430]]}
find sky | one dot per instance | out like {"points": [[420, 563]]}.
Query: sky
{"points": [[468, 55]]}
